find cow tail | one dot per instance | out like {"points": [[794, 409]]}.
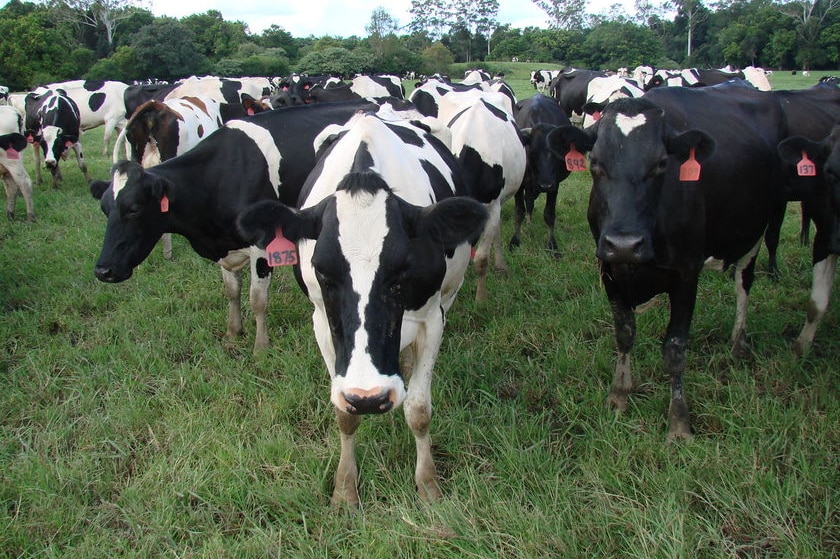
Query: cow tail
{"points": [[118, 145]]}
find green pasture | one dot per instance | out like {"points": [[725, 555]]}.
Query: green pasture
{"points": [[128, 428]]}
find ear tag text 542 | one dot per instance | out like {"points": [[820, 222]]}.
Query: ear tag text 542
{"points": [[806, 167], [281, 251], [690, 169], [575, 161]]}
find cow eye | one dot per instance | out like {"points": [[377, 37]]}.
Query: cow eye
{"points": [[660, 167]]}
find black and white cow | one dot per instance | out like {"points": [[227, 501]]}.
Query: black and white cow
{"points": [[426, 96], [199, 194], [15, 178], [570, 86], [100, 104], [294, 90], [53, 122], [536, 116], [602, 91], [656, 221], [818, 163], [486, 140], [383, 247], [541, 79]]}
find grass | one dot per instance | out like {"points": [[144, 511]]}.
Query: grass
{"points": [[128, 429]]}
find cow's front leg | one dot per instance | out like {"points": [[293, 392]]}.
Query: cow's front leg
{"points": [[550, 218], [674, 347], [260, 282], [519, 204], [418, 406], [80, 159], [346, 489], [624, 322]]}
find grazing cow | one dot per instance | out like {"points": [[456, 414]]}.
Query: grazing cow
{"points": [[382, 259], [267, 156], [541, 79], [15, 178], [570, 88], [101, 103], [536, 116], [52, 120], [823, 205], [656, 222], [294, 90], [160, 131], [487, 143]]}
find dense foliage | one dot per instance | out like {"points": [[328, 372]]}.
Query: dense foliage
{"points": [[41, 44]]}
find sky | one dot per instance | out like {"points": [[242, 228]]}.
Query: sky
{"points": [[341, 18]]}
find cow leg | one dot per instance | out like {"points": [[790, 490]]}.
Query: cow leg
{"points": [[550, 217], [233, 289], [80, 159], [771, 237], [36, 156], [823, 279], [674, 348], [805, 227], [166, 242], [57, 179], [346, 490], [519, 201], [260, 282], [624, 321], [16, 180], [482, 251], [418, 405], [744, 276]]}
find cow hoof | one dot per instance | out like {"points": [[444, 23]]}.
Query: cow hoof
{"points": [[514, 243], [617, 400], [348, 499], [429, 491]]}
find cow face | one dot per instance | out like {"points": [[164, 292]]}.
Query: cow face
{"points": [[375, 257], [823, 196], [132, 203], [546, 170], [631, 153]]}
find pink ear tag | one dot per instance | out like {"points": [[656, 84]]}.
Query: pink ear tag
{"points": [[281, 251], [690, 170], [68, 144], [575, 161], [596, 116], [806, 167], [12, 153], [164, 204]]}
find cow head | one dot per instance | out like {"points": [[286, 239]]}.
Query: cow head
{"points": [[545, 169], [374, 258], [136, 219], [822, 199], [632, 150]]}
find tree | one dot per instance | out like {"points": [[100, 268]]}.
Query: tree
{"points": [[98, 14], [618, 43], [381, 25], [215, 37], [564, 14], [166, 50], [692, 12], [811, 18]]}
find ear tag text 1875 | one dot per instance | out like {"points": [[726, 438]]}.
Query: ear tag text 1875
{"points": [[690, 169], [575, 161], [806, 167], [281, 251]]}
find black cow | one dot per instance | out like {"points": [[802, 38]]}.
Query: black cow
{"points": [[536, 116], [267, 156], [822, 181], [53, 122], [570, 88], [655, 226]]}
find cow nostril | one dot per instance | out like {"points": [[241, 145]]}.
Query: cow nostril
{"points": [[626, 249], [375, 400]]}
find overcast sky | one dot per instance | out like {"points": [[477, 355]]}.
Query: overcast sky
{"points": [[342, 18]]}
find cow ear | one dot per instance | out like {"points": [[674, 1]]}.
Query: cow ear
{"points": [[98, 188], [525, 134], [790, 150], [259, 222], [451, 221], [682, 144], [561, 138]]}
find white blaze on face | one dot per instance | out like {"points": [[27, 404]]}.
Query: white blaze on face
{"points": [[50, 134], [266, 145], [626, 124], [119, 183]]}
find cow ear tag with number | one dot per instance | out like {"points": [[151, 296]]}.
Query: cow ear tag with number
{"points": [[164, 204], [281, 251], [806, 167], [575, 161], [690, 169]]}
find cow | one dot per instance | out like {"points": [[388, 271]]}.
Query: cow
{"points": [[384, 242], [237, 97], [676, 187], [15, 178], [294, 89], [362, 86], [536, 116], [100, 104], [601, 91], [541, 79], [199, 194], [690, 77], [378, 86], [475, 76], [569, 87], [137, 94], [485, 139], [822, 203], [160, 131], [52, 120]]}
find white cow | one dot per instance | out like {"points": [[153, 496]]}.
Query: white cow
{"points": [[15, 178]]}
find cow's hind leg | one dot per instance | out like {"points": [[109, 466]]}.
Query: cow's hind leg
{"points": [[519, 204], [260, 282], [233, 289], [80, 159], [744, 276], [346, 489], [821, 284]]}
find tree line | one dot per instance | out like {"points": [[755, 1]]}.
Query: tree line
{"points": [[58, 40]]}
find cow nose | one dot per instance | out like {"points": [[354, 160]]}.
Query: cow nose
{"points": [[624, 249], [103, 273], [363, 402]]}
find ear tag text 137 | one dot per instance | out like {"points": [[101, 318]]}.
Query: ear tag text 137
{"points": [[575, 161], [806, 167], [281, 251], [690, 169]]}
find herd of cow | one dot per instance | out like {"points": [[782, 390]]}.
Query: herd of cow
{"points": [[380, 202]]}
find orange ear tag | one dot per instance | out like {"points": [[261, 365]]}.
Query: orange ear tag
{"points": [[806, 167], [164, 204], [596, 116], [281, 251], [575, 161], [690, 170], [12, 153]]}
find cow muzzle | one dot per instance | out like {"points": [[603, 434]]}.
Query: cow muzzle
{"points": [[364, 402], [625, 249], [108, 275]]}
